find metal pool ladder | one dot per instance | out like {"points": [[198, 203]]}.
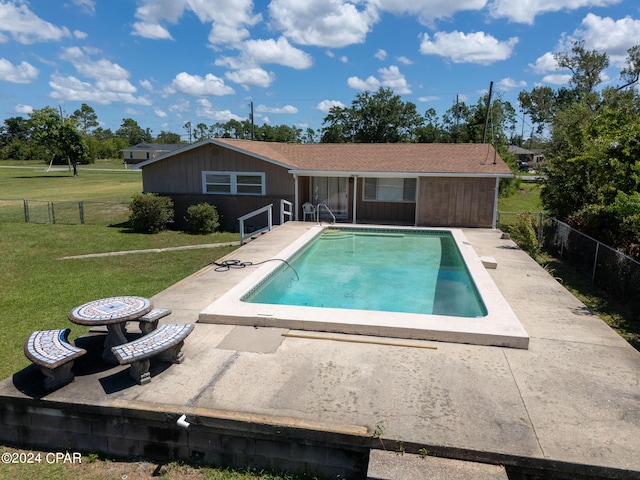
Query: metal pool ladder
{"points": [[326, 207]]}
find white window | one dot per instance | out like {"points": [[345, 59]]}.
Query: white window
{"points": [[389, 189], [234, 183]]}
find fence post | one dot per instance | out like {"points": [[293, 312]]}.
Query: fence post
{"points": [[595, 264], [52, 213], [540, 236], [26, 210], [81, 209]]}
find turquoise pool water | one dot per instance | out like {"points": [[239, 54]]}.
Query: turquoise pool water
{"points": [[385, 270]]}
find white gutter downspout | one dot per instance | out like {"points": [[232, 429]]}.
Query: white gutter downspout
{"points": [[416, 213], [494, 220], [355, 196], [295, 195]]}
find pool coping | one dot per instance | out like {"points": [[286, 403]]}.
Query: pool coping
{"points": [[500, 327]]}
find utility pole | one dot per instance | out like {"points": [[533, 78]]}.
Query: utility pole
{"points": [[457, 118], [253, 132], [486, 117]]}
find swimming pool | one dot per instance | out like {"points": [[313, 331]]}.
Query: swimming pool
{"points": [[410, 271], [494, 323]]}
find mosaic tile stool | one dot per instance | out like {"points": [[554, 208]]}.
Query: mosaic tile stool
{"points": [[165, 343], [149, 321], [52, 352]]}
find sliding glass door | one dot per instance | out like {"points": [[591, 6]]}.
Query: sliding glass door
{"points": [[333, 192]]}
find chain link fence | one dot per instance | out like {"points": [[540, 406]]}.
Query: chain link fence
{"points": [[67, 213], [609, 269]]}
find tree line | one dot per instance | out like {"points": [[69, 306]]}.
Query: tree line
{"points": [[378, 117], [592, 149]]}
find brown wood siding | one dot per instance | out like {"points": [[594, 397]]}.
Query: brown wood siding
{"points": [[180, 177], [456, 202], [182, 173], [382, 212]]}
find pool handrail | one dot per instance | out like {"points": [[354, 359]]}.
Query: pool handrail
{"points": [[326, 207]]}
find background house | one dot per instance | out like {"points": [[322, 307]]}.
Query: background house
{"points": [[532, 157], [453, 185], [146, 151]]}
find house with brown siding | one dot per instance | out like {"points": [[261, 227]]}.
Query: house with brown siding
{"points": [[423, 184]]}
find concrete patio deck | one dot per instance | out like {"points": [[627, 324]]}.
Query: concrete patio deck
{"points": [[570, 404]]}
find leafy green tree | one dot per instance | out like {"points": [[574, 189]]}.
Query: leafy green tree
{"points": [[586, 67], [132, 132], [381, 117], [14, 139], [56, 137], [631, 72], [432, 131], [87, 117], [168, 137]]}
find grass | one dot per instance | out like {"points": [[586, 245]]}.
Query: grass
{"points": [[104, 181], [39, 288], [40, 296], [526, 199]]}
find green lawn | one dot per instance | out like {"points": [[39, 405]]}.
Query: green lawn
{"points": [[38, 288], [526, 199], [97, 182]]}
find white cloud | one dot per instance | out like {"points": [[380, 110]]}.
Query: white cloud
{"points": [[526, 12], [23, 73], [545, 64], [181, 105], [159, 113], [428, 99], [147, 85], [381, 54], [69, 88], [404, 60], [557, 78], [246, 69], [153, 31], [326, 105], [390, 78], [276, 51], [467, 48], [344, 59], [198, 86], [207, 110], [614, 37], [251, 77], [87, 6], [102, 69], [290, 109], [26, 27], [80, 35], [323, 23], [428, 10], [24, 109], [508, 83], [228, 18]]}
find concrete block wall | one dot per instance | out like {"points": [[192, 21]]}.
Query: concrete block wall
{"points": [[130, 433]]}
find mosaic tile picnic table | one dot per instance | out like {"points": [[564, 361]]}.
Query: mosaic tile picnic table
{"points": [[114, 312]]}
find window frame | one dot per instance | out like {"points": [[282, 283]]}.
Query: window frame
{"points": [[404, 188], [233, 183]]}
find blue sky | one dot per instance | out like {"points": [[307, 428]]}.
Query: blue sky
{"points": [[168, 62]]}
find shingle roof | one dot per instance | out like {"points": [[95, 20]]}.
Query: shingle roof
{"points": [[434, 158], [384, 158], [155, 147]]}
